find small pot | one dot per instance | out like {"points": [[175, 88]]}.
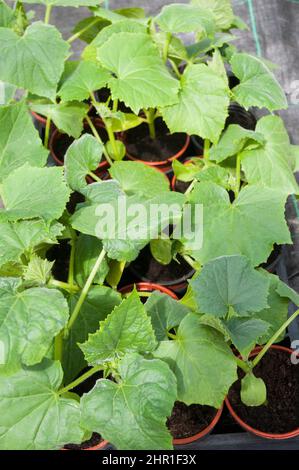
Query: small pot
{"points": [[57, 135], [246, 426], [147, 287], [201, 434]]}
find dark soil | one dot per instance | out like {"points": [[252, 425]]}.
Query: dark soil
{"points": [[271, 263], [102, 96], [239, 115], [147, 269], [181, 186], [281, 413], [60, 253], [63, 141], [92, 442], [186, 421], [140, 145]]}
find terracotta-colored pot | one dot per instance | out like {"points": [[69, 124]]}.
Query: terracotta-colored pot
{"points": [[57, 134], [201, 434], [147, 287], [249, 428]]}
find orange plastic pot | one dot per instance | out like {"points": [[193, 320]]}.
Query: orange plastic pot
{"points": [[249, 428]]}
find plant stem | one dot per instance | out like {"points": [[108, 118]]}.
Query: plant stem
{"points": [[58, 347], [78, 34], [175, 69], [238, 175], [47, 132], [94, 176], [190, 187], [111, 138], [274, 338], [47, 14], [171, 336], [191, 262], [150, 116], [95, 133], [166, 47], [206, 150], [115, 106], [72, 258], [63, 285], [242, 365], [85, 291], [80, 379]]}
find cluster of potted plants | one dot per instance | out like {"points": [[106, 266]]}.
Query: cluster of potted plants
{"points": [[139, 341]]}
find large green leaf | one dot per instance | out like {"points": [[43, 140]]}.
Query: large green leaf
{"points": [[19, 141], [85, 79], [33, 415], [139, 403], [204, 365], [140, 79], [248, 226], [135, 177], [6, 15], [87, 251], [99, 302], [269, 164], [30, 192], [258, 85], [127, 329], [29, 320], [230, 282], [182, 18], [81, 158], [221, 9], [165, 313], [68, 117], [34, 61], [202, 106], [245, 333], [124, 26], [24, 237], [67, 3]]}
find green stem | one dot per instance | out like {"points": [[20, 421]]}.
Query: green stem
{"points": [[48, 14], [175, 69], [58, 347], [94, 176], [171, 336], [190, 187], [206, 150], [95, 133], [63, 285], [150, 116], [85, 291], [78, 34], [238, 175], [47, 132], [274, 338], [80, 379], [72, 258], [115, 106], [166, 47], [111, 139], [191, 262], [242, 365]]}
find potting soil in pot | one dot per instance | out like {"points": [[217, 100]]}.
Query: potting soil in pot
{"points": [[95, 440], [186, 421], [281, 412]]}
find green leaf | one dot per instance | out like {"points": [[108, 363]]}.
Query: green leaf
{"points": [[67, 117], [99, 302], [131, 12], [29, 320], [182, 18], [140, 79], [202, 106], [231, 228], [127, 329], [19, 141], [82, 157], [253, 390], [34, 192], [24, 237], [135, 177], [6, 15], [258, 85], [269, 164], [124, 26], [202, 362], [91, 26], [235, 139], [230, 282], [161, 250], [245, 332], [218, 175], [27, 61], [86, 253], [221, 9], [38, 271], [188, 171], [31, 409], [165, 313], [86, 78], [139, 403], [66, 3], [124, 121], [116, 150], [7, 93]]}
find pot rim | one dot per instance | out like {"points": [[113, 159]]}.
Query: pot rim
{"points": [[99, 446], [39, 117], [163, 162], [201, 434], [247, 427], [55, 135], [147, 286]]}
